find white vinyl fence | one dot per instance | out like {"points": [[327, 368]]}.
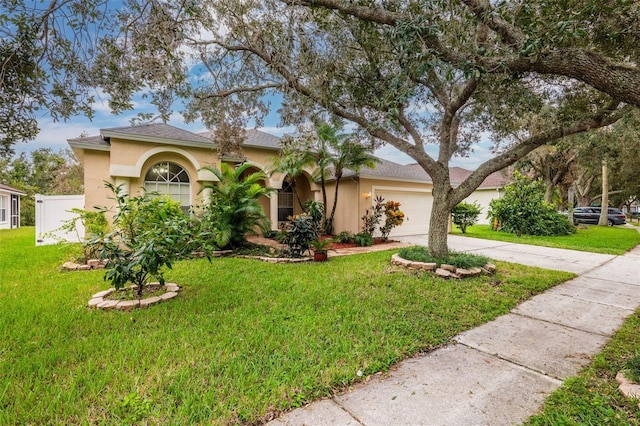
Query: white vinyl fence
{"points": [[51, 212]]}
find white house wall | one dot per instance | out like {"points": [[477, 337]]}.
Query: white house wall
{"points": [[483, 197]]}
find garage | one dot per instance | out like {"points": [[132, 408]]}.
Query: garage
{"points": [[414, 203]]}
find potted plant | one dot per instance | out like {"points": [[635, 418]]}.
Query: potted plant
{"points": [[320, 249]]}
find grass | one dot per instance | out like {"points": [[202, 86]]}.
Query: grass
{"points": [[592, 397], [459, 260], [244, 341], [596, 239]]}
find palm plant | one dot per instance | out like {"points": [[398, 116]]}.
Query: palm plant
{"points": [[341, 153], [292, 162], [234, 210]]}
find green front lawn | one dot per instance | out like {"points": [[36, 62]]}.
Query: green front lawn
{"points": [[597, 239], [245, 340], [592, 397]]}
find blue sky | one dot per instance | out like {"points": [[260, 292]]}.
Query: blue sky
{"points": [[55, 134]]}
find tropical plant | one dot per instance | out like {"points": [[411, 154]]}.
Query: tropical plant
{"points": [[341, 152], [300, 235], [322, 246], [147, 234], [363, 239], [372, 216], [234, 210], [345, 237], [315, 209], [523, 210], [393, 217], [465, 214]]}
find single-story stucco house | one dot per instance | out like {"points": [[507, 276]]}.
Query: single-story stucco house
{"points": [[10, 207], [169, 160]]}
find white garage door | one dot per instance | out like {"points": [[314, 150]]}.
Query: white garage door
{"points": [[416, 206]]}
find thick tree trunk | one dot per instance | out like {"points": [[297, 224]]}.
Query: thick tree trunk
{"points": [[439, 223], [604, 219], [548, 192]]}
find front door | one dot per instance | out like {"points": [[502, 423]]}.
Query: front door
{"points": [[15, 211]]}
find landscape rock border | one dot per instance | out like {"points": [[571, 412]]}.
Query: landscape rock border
{"points": [[98, 300], [444, 271], [628, 388]]}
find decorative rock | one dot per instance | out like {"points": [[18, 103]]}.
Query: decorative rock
{"points": [[464, 272], [70, 266], [172, 287], [93, 303], [490, 267], [127, 305], [107, 304], [627, 387], [475, 270], [153, 286], [145, 303], [443, 273], [449, 268], [425, 266], [168, 295], [93, 263], [104, 293], [83, 268]]}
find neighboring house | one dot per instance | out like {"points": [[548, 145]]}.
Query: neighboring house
{"points": [[169, 160], [491, 188], [10, 207]]}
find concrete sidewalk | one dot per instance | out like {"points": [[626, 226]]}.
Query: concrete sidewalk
{"points": [[501, 372]]}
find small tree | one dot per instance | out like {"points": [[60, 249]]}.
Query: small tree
{"points": [[523, 210], [147, 234], [234, 210], [465, 214]]}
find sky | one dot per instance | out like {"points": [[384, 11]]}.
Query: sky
{"points": [[55, 134]]}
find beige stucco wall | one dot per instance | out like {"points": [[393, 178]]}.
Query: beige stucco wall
{"points": [[96, 171]]}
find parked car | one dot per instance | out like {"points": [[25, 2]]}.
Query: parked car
{"points": [[592, 215]]}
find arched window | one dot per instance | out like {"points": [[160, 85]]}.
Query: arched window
{"points": [[170, 179]]}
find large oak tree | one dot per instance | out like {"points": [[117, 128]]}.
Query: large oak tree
{"points": [[406, 73]]}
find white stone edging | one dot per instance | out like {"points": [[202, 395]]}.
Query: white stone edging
{"points": [[98, 302]]}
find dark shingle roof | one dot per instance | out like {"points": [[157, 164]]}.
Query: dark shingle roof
{"points": [[494, 180], [390, 170], [156, 130], [255, 138]]}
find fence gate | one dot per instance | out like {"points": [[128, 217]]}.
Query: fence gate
{"points": [[51, 212]]}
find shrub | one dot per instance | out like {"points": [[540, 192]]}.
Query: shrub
{"points": [[372, 216], [394, 217], [459, 260], [95, 228], [363, 239], [523, 210], [465, 214], [345, 237], [299, 236], [314, 209], [148, 234]]}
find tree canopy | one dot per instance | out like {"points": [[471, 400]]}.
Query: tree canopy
{"points": [[406, 73]]}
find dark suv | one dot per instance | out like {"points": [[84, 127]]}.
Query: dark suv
{"points": [[592, 215]]}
